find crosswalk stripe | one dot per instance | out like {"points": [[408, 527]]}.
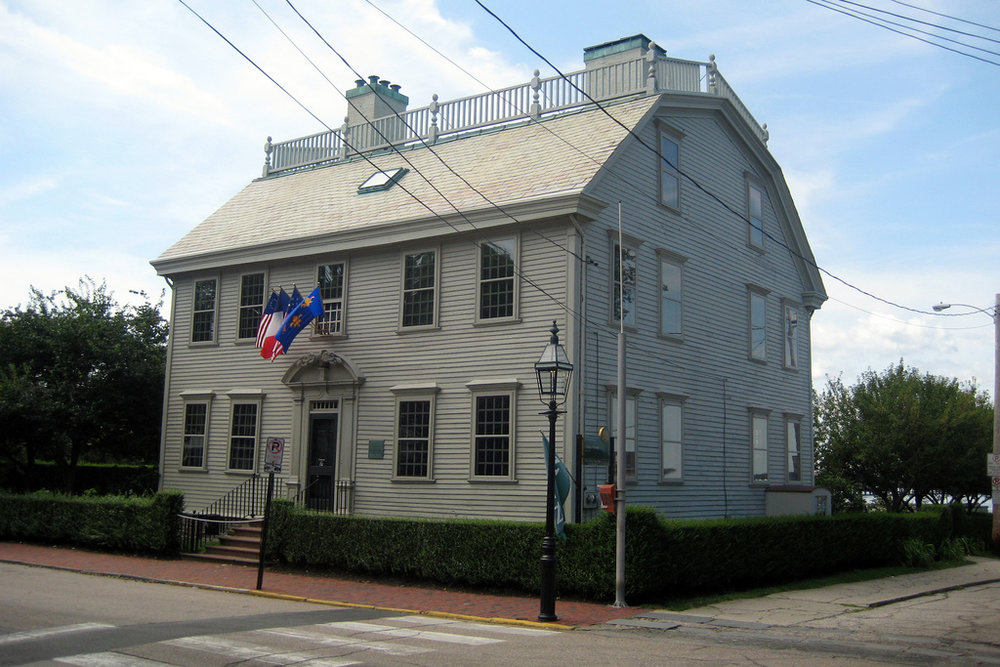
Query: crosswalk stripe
{"points": [[108, 659], [237, 650], [476, 627], [406, 633], [45, 633], [390, 648]]}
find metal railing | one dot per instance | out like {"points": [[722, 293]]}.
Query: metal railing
{"points": [[534, 99], [196, 531], [326, 495], [239, 506]]}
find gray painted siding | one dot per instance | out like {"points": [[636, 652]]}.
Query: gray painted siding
{"points": [[710, 366]]}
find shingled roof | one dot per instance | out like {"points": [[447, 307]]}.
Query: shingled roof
{"points": [[532, 162]]}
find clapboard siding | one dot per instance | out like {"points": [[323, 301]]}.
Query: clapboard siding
{"points": [[708, 365]]}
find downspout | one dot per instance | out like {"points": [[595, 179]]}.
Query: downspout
{"points": [[579, 345], [171, 335]]}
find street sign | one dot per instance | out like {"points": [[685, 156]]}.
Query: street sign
{"points": [[273, 454], [993, 465]]}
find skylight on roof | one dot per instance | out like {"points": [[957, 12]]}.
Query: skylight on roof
{"points": [[381, 180]]}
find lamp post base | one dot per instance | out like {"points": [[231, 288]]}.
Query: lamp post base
{"points": [[547, 612]]}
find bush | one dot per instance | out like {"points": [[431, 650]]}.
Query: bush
{"points": [[98, 478], [114, 523]]}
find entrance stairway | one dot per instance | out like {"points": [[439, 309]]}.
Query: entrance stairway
{"points": [[240, 546]]}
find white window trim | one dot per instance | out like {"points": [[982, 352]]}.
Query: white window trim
{"points": [[239, 304], [516, 278], [499, 387], [402, 328], [244, 397], [790, 334], [752, 292], [793, 420], [678, 402], [415, 393], [318, 329], [753, 184], [632, 244], [756, 414], [215, 313], [677, 137], [668, 257], [192, 398]]}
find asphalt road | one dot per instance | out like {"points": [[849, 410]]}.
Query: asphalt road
{"points": [[57, 617]]}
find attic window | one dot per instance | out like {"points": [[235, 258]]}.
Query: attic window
{"points": [[381, 180]]}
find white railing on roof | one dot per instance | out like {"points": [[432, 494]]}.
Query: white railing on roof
{"points": [[531, 100]]}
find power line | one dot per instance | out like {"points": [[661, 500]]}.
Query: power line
{"points": [[947, 16]]}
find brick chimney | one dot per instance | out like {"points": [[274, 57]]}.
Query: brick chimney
{"points": [[374, 99]]}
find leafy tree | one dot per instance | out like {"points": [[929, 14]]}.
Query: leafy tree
{"points": [[81, 379], [905, 438]]}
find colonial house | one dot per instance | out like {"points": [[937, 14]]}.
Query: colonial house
{"points": [[638, 193]]}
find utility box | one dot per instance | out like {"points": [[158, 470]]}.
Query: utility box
{"points": [[608, 493], [792, 499]]}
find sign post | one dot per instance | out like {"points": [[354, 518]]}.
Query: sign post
{"points": [[272, 463]]}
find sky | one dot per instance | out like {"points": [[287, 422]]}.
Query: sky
{"points": [[124, 124]]}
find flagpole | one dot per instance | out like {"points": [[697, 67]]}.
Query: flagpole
{"points": [[620, 435]]}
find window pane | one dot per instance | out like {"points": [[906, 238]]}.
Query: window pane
{"points": [[791, 337], [413, 438], [331, 289], [492, 455], [759, 448], [203, 315], [624, 281], [670, 298], [669, 182], [794, 438], [243, 437], [193, 454], [251, 304], [756, 211], [631, 417], [418, 289], [672, 446], [496, 279], [758, 326]]}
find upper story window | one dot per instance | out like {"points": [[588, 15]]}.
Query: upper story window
{"points": [[419, 289], [497, 279], [755, 215], [624, 284], [671, 295], [670, 180], [332, 281], [758, 325], [204, 308], [251, 304], [791, 336]]}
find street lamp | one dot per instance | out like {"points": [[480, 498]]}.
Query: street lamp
{"points": [[553, 371], [996, 398]]}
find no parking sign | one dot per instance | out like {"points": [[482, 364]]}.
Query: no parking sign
{"points": [[273, 454]]}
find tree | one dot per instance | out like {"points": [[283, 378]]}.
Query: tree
{"points": [[82, 379], [905, 438]]}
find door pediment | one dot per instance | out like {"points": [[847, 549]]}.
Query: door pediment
{"points": [[321, 369]]}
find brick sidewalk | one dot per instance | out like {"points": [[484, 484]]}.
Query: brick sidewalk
{"points": [[314, 588]]}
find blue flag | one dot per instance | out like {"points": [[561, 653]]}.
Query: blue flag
{"points": [[563, 483], [300, 316]]}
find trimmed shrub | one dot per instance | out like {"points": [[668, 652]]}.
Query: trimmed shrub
{"points": [[114, 523]]}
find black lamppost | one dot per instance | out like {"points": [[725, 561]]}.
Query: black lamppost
{"points": [[554, 372]]}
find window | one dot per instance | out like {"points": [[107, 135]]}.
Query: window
{"points": [[623, 283], [671, 293], [670, 182], [492, 445], [419, 279], [791, 336], [497, 287], [195, 429], [413, 438], [755, 215], [331, 279], [793, 442], [251, 304], [758, 439], [758, 326], [671, 443], [631, 419], [243, 437], [203, 315]]}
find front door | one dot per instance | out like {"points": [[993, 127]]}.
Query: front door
{"points": [[322, 462]]}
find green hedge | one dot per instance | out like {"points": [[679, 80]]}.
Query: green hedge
{"points": [[663, 558], [116, 523]]}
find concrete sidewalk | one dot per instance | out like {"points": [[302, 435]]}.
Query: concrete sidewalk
{"points": [[783, 609]]}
